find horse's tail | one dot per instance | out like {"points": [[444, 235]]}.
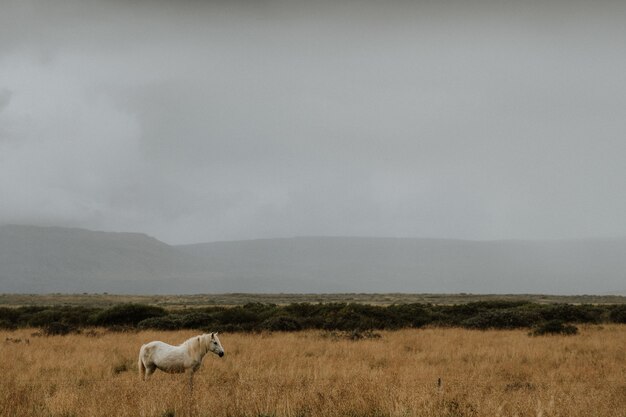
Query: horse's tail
{"points": [[141, 365]]}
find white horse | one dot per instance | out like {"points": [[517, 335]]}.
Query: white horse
{"points": [[186, 357]]}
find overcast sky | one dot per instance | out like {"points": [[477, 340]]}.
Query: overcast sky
{"points": [[202, 121]]}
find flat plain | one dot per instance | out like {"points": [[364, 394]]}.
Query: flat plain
{"points": [[412, 372], [203, 300]]}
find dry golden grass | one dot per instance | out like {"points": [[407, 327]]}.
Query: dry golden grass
{"points": [[492, 373]]}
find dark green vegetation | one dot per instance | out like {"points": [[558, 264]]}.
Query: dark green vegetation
{"points": [[235, 299], [502, 314], [554, 327]]}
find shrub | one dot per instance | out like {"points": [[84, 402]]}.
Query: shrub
{"points": [[45, 317], [456, 315], [348, 317], [310, 316], [411, 315], [7, 325], [282, 324], [554, 327], [328, 316], [160, 323], [572, 313], [245, 318], [502, 319], [58, 329], [197, 320], [127, 314], [9, 316], [618, 314], [303, 309]]}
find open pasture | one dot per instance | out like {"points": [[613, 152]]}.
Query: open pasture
{"points": [[203, 300], [426, 372]]}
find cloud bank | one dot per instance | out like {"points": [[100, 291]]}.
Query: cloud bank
{"points": [[203, 121]]}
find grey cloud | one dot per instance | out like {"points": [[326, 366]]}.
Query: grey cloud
{"points": [[5, 98], [228, 120]]}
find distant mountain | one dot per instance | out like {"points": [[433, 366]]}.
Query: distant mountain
{"points": [[40, 260], [52, 259], [338, 264]]}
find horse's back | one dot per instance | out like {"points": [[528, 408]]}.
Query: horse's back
{"points": [[147, 351], [156, 345], [166, 357]]}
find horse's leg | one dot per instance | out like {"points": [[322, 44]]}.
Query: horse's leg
{"points": [[149, 371], [191, 372], [189, 396]]}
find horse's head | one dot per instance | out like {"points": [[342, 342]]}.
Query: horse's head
{"points": [[214, 345]]}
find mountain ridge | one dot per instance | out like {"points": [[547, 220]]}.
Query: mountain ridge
{"points": [[55, 259]]}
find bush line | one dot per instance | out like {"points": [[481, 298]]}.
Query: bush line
{"points": [[323, 316]]}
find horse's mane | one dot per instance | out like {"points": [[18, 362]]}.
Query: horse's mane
{"points": [[197, 343]]}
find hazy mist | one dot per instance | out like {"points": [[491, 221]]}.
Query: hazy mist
{"points": [[202, 121]]}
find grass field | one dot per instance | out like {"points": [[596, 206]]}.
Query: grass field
{"points": [[426, 372], [202, 300]]}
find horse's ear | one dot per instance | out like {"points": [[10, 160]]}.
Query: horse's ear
{"points": [[212, 335]]}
